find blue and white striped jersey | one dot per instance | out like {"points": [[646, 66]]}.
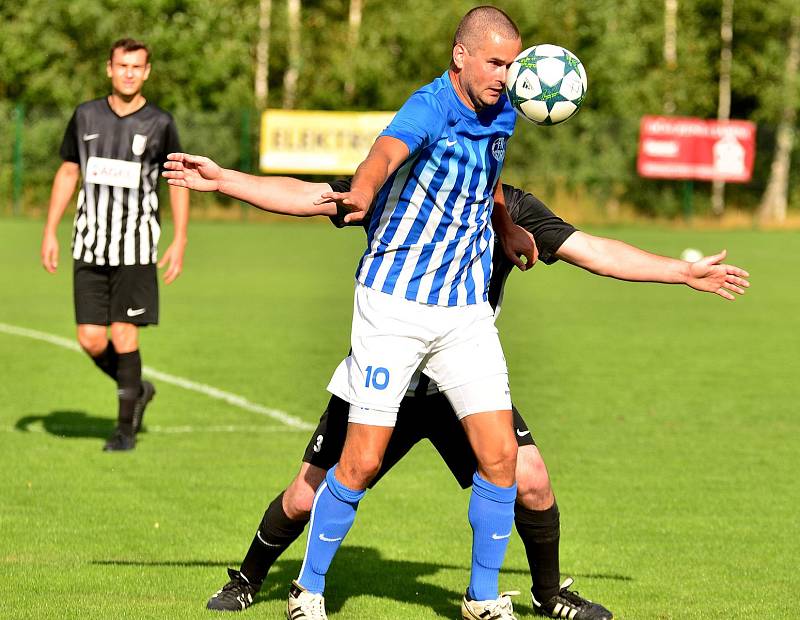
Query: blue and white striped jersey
{"points": [[429, 237]]}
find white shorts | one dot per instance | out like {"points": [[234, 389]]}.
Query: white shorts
{"points": [[456, 346]]}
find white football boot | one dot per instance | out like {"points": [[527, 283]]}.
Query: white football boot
{"points": [[303, 605], [495, 609]]}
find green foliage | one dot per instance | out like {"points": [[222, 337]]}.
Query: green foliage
{"points": [[53, 54]]}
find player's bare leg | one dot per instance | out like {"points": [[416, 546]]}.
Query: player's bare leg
{"points": [[93, 339], [119, 358], [534, 491], [491, 511], [491, 435], [538, 524], [106, 356], [333, 514], [299, 495], [362, 454], [125, 337]]}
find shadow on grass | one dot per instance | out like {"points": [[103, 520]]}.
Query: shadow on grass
{"points": [[70, 424], [363, 571], [166, 563], [356, 571]]}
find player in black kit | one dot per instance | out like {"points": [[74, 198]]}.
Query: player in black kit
{"points": [[536, 512], [116, 145]]}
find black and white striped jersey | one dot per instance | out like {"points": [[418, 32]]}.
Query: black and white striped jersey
{"points": [[117, 220]]}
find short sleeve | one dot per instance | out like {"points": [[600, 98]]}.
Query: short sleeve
{"points": [[548, 230], [69, 144], [420, 122], [172, 143]]}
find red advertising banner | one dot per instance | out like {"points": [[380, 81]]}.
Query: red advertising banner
{"points": [[673, 147]]}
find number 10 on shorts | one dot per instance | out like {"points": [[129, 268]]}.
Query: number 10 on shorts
{"points": [[377, 377]]}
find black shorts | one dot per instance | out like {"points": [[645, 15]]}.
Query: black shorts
{"points": [[124, 294], [420, 417]]}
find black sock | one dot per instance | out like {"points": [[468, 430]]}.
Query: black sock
{"points": [[275, 533], [108, 360], [129, 386], [540, 532]]}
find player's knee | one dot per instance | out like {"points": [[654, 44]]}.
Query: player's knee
{"points": [[125, 337], [533, 482], [94, 342], [499, 464], [358, 472]]}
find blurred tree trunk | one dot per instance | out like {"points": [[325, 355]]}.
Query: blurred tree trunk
{"points": [[262, 54], [724, 106], [670, 53], [354, 28], [292, 73], [776, 196]]}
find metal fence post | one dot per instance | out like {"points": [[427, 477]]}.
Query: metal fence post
{"points": [[688, 200], [19, 121], [245, 155]]}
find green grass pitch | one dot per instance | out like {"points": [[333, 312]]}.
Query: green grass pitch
{"points": [[669, 420]]}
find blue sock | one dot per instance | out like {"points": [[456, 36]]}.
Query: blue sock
{"points": [[332, 514], [491, 515]]}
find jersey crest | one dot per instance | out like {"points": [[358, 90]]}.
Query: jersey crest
{"points": [[139, 144]]}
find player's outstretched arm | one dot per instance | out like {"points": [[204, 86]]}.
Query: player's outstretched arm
{"points": [[385, 156], [616, 259], [63, 187], [283, 195]]}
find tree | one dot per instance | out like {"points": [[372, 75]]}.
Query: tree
{"points": [[293, 47], [670, 52], [724, 103], [775, 200], [261, 87], [354, 26]]}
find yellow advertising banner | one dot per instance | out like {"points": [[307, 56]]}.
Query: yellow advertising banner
{"points": [[309, 142]]}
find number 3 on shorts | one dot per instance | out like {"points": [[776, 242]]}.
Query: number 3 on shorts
{"points": [[378, 377]]}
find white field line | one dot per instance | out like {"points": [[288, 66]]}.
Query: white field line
{"points": [[208, 390]]}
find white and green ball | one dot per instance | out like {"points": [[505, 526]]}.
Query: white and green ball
{"points": [[546, 84]]}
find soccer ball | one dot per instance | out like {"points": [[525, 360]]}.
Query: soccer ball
{"points": [[546, 84]]}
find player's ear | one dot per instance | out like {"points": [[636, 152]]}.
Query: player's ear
{"points": [[109, 72], [146, 71], [459, 51]]}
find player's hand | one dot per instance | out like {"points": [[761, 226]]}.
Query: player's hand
{"points": [[354, 201], [50, 252], [193, 171], [173, 259], [710, 275], [517, 244]]}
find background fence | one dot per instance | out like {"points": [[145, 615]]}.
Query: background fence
{"points": [[584, 167]]}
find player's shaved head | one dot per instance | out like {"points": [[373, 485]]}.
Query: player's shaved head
{"points": [[479, 22], [485, 44]]}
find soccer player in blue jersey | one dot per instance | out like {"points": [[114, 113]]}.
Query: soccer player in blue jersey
{"points": [[421, 302]]}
